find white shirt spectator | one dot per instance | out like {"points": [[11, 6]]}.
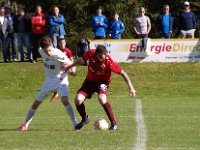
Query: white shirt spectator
{"points": [[141, 24]]}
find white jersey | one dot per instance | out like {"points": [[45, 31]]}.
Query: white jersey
{"points": [[53, 65]]}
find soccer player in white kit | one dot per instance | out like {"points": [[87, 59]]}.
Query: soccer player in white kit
{"points": [[54, 62]]}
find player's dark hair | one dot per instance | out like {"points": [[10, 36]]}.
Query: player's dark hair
{"points": [[45, 41], [101, 49]]}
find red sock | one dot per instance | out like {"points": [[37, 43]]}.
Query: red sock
{"points": [[108, 109], [81, 110]]}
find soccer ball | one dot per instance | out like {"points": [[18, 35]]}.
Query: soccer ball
{"points": [[101, 124]]}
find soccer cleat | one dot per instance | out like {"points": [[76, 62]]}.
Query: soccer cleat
{"points": [[82, 123], [53, 98], [22, 127], [113, 127]]}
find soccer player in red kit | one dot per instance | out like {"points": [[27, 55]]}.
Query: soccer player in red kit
{"points": [[98, 78]]}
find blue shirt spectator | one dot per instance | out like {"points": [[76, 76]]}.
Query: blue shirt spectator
{"points": [[99, 24], [57, 30], [116, 27], [165, 23]]}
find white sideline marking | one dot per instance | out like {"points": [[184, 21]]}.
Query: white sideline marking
{"points": [[141, 130]]}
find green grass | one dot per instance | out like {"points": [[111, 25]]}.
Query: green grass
{"points": [[170, 95]]}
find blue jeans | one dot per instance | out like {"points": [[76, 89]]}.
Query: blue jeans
{"points": [[144, 38], [55, 37], [13, 41], [5, 43], [23, 38]]}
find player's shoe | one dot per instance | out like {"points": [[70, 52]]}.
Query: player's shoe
{"points": [[82, 123], [113, 127], [54, 96], [22, 127]]}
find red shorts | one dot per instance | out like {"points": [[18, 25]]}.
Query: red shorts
{"points": [[89, 87]]}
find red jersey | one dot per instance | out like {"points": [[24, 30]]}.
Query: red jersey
{"points": [[39, 22], [100, 70], [67, 52]]}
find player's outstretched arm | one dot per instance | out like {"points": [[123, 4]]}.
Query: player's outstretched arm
{"points": [[75, 63], [132, 90]]}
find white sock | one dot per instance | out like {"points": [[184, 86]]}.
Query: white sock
{"points": [[70, 112], [29, 116]]}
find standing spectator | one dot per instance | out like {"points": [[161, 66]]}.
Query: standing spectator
{"points": [[116, 27], [198, 24], [99, 24], [165, 22], [187, 22], [12, 36], [4, 31], [142, 27], [22, 27], [57, 30], [39, 22]]}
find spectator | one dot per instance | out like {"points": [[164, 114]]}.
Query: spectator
{"points": [[12, 36], [198, 24], [4, 31], [39, 22], [187, 22], [165, 23], [56, 21], [65, 50], [116, 27], [22, 27], [99, 24], [142, 27]]}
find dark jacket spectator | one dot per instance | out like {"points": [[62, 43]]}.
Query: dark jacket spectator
{"points": [[165, 23], [187, 22], [19, 20], [22, 28], [198, 24]]}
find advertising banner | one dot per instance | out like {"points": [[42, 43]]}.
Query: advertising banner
{"points": [[158, 50]]}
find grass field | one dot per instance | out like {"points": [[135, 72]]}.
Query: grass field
{"points": [[170, 99]]}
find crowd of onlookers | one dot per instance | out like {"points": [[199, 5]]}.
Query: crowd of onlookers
{"points": [[20, 30]]}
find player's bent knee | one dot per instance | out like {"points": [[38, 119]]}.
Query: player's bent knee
{"points": [[79, 99], [65, 100], [102, 98], [36, 104]]}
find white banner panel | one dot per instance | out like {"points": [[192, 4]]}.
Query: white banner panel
{"points": [[158, 50]]}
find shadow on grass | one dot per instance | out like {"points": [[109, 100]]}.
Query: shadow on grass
{"points": [[35, 130]]}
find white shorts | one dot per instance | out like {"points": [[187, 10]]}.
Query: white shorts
{"points": [[48, 88]]}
